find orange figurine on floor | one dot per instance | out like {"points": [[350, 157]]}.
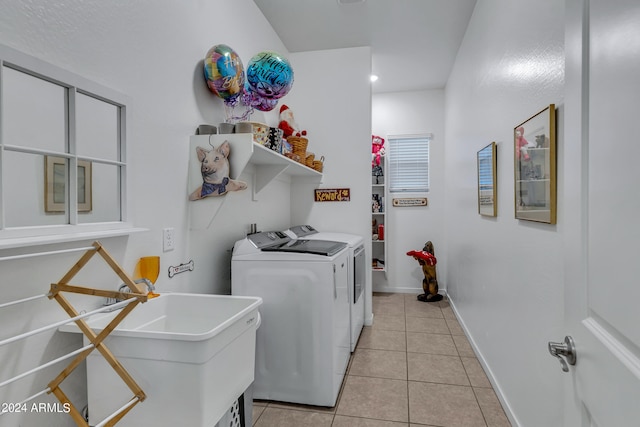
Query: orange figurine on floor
{"points": [[427, 260]]}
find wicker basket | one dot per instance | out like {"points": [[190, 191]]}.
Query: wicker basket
{"points": [[318, 164], [299, 146], [309, 159]]}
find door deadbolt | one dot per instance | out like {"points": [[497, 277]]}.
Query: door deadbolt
{"points": [[564, 350]]}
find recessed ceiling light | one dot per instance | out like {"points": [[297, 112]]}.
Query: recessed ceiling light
{"points": [[350, 1], [373, 77]]}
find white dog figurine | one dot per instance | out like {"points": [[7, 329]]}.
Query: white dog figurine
{"points": [[215, 173]]}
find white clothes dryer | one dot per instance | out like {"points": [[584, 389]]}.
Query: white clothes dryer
{"points": [[302, 347], [357, 272]]}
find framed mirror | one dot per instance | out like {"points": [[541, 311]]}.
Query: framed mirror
{"points": [[487, 191], [535, 167]]}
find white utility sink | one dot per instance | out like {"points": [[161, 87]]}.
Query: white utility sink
{"points": [[192, 354]]}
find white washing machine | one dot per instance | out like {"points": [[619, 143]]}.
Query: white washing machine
{"points": [[357, 272], [302, 347]]}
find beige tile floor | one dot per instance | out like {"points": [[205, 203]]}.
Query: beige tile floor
{"points": [[413, 367]]}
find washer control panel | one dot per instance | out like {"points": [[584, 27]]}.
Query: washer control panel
{"points": [[303, 230], [268, 238]]}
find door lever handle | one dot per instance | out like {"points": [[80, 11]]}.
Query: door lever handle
{"points": [[562, 350]]}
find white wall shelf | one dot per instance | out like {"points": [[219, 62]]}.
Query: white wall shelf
{"points": [[268, 165]]}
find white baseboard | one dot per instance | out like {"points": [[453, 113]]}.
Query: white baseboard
{"points": [[496, 387], [404, 290], [398, 290]]}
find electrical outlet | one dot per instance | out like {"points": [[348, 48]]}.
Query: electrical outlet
{"points": [[168, 239]]}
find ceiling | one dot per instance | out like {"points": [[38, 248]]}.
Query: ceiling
{"points": [[414, 42]]}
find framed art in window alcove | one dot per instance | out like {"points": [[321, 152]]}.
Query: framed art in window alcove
{"points": [[56, 182], [535, 167], [487, 183]]}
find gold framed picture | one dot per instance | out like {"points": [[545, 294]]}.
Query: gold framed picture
{"points": [[487, 188], [535, 167], [56, 182]]}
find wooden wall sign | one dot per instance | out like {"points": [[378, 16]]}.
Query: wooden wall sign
{"points": [[332, 195], [400, 203]]}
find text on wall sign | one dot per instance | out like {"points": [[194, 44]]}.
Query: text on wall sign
{"points": [[406, 202], [332, 195]]}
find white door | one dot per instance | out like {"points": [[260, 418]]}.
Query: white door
{"points": [[602, 295]]}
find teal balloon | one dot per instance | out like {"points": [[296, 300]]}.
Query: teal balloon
{"points": [[269, 76]]}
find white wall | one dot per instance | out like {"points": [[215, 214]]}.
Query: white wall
{"points": [[408, 228], [333, 103], [504, 276]]}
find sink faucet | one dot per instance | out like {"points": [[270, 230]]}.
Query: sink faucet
{"points": [[124, 288], [150, 287]]}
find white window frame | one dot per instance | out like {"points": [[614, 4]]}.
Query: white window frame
{"points": [[400, 176], [74, 84]]}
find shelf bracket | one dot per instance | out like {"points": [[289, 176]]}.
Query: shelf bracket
{"points": [[263, 176]]}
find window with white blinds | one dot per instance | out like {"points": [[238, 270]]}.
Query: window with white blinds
{"points": [[409, 163]]}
